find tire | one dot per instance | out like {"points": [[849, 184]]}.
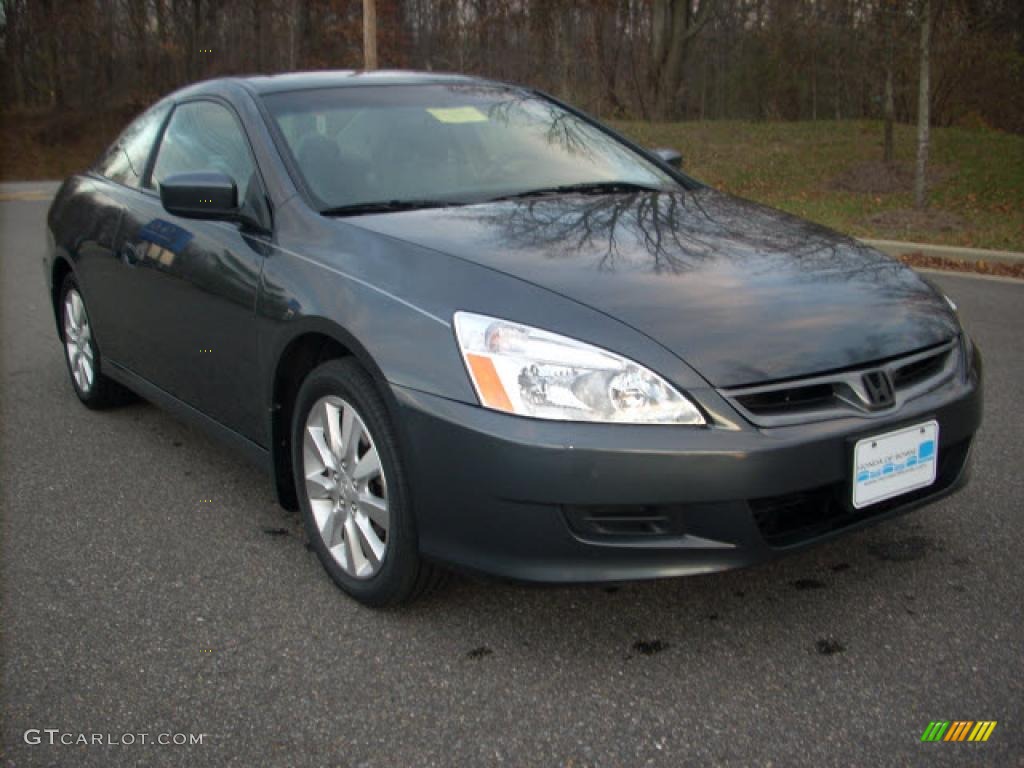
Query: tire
{"points": [[82, 353], [338, 476]]}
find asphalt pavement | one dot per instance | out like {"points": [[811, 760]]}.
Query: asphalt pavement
{"points": [[151, 585]]}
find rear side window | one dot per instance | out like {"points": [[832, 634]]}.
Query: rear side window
{"points": [[125, 161], [205, 136]]}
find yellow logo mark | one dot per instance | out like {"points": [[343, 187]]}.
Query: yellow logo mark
{"points": [[981, 731]]}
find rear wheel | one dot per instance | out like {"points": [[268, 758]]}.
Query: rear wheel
{"points": [[352, 488], [81, 352]]}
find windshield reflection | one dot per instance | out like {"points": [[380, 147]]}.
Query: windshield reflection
{"points": [[456, 143]]}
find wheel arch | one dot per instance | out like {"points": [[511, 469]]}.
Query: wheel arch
{"points": [[311, 342], [59, 271]]}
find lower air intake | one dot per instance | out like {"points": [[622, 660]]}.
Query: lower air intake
{"points": [[625, 521]]}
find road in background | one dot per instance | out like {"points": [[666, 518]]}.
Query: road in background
{"points": [[151, 584]]}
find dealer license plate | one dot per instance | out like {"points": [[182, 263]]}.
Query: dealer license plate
{"points": [[895, 463]]}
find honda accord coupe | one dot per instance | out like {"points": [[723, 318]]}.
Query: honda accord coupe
{"points": [[462, 324]]}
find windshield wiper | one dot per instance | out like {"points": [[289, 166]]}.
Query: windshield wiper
{"points": [[386, 206], [584, 188]]}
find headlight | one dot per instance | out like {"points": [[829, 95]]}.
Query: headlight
{"points": [[530, 372]]}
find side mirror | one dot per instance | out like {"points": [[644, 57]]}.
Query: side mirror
{"points": [[208, 195], [671, 157], [200, 195]]}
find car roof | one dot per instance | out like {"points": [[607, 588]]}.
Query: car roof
{"points": [[337, 78]]}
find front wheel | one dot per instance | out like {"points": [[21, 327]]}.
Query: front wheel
{"points": [[352, 489]]}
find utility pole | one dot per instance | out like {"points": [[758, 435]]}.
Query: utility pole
{"points": [[369, 34]]}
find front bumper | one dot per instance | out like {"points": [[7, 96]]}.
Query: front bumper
{"points": [[518, 498]]}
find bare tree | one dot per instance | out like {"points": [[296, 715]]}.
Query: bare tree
{"points": [[631, 59], [674, 24]]}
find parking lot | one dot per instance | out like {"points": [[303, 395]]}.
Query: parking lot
{"points": [[151, 584]]}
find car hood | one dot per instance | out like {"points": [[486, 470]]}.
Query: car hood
{"points": [[743, 293]]}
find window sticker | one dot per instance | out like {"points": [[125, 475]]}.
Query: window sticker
{"points": [[458, 115]]}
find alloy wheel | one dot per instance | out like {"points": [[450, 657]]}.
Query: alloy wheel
{"points": [[346, 486]]}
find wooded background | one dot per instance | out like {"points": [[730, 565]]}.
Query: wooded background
{"points": [[627, 59]]}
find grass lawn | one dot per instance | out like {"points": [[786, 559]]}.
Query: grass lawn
{"points": [[792, 166]]}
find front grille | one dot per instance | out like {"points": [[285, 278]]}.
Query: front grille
{"points": [[626, 521], [920, 370], [844, 393], [789, 400], [795, 517]]}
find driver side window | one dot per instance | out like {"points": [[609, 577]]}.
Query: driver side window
{"points": [[205, 136]]}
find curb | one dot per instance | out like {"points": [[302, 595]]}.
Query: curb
{"points": [[898, 248], [11, 191], [971, 275]]}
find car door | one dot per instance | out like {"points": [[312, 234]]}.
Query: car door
{"points": [[115, 179], [197, 280]]}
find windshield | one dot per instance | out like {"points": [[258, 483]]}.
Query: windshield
{"points": [[455, 143]]}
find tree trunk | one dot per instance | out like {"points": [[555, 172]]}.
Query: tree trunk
{"points": [[109, 49], [703, 87], [814, 79], [674, 24], [55, 81], [890, 104], [836, 83], [304, 34], [924, 91], [162, 33], [257, 32], [14, 49], [137, 17], [195, 57], [890, 116], [292, 29], [369, 34], [840, 22]]}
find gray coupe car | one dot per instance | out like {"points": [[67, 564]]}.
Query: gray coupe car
{"points": [[464, 325]]}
